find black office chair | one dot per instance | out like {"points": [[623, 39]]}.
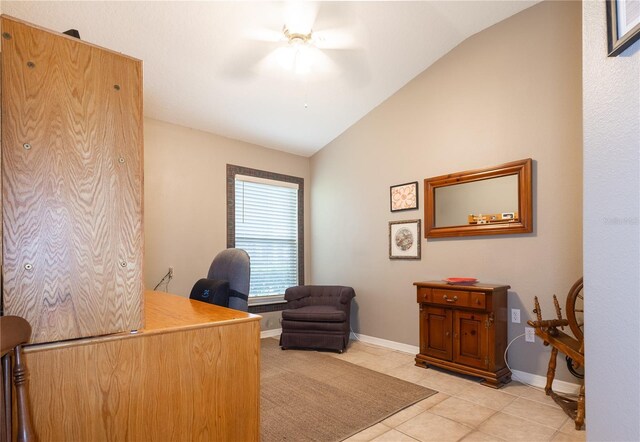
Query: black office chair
{"points": [[228, 280]]}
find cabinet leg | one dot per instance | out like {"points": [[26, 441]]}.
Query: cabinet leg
{"points": [[551, 371], [493, 383], [496, 383]]}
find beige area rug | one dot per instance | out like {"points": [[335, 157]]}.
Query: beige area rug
{"points": [[312, 396]]}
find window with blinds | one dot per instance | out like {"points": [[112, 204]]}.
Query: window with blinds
{"points": [[266, 226]]}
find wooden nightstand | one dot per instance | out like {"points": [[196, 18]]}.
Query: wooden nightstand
{"points": [[464, 329]]}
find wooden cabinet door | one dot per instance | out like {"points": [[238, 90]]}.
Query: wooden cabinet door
{"points": [[71, 184], [470, 339], [435, 326]]}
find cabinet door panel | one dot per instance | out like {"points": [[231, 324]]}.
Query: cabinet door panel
{"points": [[470, 339], [436, 332], [71, 185]]}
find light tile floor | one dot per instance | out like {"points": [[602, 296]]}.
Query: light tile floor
{"points": [[462, 409]]}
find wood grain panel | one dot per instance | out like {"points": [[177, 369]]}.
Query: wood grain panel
{"points": [[72, 203], [471, 339], [192, 384], [193, 375]]}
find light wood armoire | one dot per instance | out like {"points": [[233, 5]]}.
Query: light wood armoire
{"points": [[72, 181]]}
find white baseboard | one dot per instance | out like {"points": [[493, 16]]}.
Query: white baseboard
{"points": [[270, 333], [406, 348], [528, 378], [540, 381]]}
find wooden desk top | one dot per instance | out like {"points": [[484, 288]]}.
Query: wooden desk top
{"points": [[165, 313]]}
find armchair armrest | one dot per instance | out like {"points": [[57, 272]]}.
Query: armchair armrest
{"points": [[346, 295], [296, 293]]}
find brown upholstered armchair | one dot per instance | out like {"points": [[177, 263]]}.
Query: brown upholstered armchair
{"points": [[318, 317]]}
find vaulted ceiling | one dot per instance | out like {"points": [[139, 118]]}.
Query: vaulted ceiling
{"points": [[227, 67]]}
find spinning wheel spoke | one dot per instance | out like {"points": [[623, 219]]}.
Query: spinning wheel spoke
{"points": [[575, 309]]}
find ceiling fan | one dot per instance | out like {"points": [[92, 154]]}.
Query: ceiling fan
{"points": [[313, 41]]}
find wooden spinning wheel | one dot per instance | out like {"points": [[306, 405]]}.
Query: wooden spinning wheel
{"points": [[575, 310], [548, 331]]}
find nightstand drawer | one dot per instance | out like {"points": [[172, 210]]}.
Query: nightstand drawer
{"points": [[451, 297], [477, 300], [424, 295]]}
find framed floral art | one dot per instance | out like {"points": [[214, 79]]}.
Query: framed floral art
{"points": [[404, 197]]}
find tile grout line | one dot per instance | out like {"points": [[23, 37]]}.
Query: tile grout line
{"points": [[515, 396]]}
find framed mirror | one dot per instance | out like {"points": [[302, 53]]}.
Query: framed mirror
{"points": [[492, 201]]}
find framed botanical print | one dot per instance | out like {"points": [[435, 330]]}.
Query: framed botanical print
{"points": [[404, 197], [404, 239]]}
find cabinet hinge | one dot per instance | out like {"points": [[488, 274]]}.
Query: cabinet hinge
{"points": [[489, 321]]}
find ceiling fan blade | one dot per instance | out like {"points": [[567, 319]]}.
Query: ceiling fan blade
{"points": [[246, 61], [300, 16], [264, 35], [335, 15], [336, 38]]}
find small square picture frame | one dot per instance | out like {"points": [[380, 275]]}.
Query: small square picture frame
{"points": [[405, 239], [403, 197]]}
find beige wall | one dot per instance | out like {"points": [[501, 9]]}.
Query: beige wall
{"points": [[611, 233], [510, 92], [185, 211]]}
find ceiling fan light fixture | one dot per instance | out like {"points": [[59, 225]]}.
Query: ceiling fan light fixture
{"points": [[297, 56], [297, 38]]}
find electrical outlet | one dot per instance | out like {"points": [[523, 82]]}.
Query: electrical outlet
{"points": [[515, 315], [529, 334], [170, 271]]}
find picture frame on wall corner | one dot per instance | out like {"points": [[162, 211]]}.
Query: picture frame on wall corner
{"points": [[405, 239], [404, 197], [623, 25]]}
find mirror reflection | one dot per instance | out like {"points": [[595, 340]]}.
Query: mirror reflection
{"points": [[488, 201]]}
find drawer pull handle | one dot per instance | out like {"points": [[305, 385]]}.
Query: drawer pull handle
{"points": [[454, 299]]}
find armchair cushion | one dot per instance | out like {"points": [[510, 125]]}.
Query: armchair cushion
{"points": [[315, 313]]}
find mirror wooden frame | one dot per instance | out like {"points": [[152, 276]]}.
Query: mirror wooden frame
{"points": [[524, 224]]}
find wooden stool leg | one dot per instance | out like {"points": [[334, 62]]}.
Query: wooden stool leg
{"points": [[25, 430], [3, 433], [551, 371], [581, 409], [6, 396]]}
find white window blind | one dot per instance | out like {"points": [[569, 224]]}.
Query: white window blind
{"points": [[266, 226]]}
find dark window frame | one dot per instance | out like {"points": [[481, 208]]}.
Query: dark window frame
{"points": [[232, 171]]}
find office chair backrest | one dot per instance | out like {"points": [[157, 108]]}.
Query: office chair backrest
{"points": [[233, 265]]}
